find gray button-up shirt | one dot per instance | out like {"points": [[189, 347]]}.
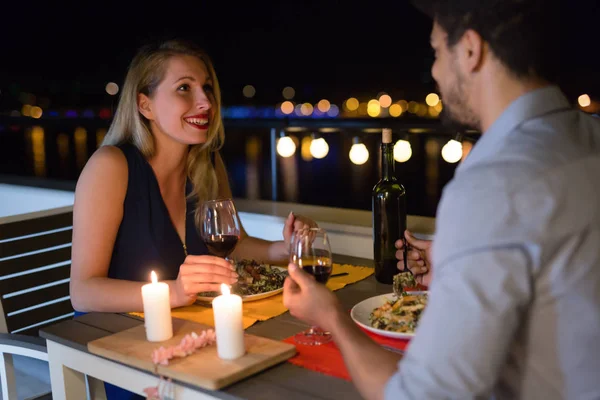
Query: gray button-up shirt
{"points": [[514, 308]]}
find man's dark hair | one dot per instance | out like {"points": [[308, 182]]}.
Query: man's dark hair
{"points": [[523, 34]]}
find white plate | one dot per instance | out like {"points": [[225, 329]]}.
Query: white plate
{"points": [[252, 297], [360, 314]]}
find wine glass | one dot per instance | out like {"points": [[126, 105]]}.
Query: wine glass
{"points": [[310, 251], [219, 227]]}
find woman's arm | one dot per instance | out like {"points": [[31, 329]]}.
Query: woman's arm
{"points": [[97, 214], [254, 248]]}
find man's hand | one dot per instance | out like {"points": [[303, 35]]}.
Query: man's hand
{"points": [[309, 300], [418, 257]]}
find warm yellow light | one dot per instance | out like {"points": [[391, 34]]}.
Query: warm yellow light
{"points": [[362, 108], [305, 148], [584, 100], [287, 107], [324, 105], [359, 154], [286, 147], [306, 109], [413, 106], [100, 134], [62, 141], [352, 104], [395, 110], [319, 148], [452, 151], [404, 105], [288, 92], [249, 91], [438, 107], [36, 112], [385, 101], [26, 110], [373, 108], [433, 112], [112, 88], [432, 99], [402, 151], [421, 110], [225, 291]]}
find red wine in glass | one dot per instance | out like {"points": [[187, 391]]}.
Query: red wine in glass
{"points": [[221, 245], [320, 267], [219, 227], [310, 250]]}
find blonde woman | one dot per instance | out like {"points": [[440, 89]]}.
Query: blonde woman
{"points": [[136, 198]]}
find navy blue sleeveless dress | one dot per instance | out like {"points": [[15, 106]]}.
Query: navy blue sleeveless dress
{"points": [[147, 239]]}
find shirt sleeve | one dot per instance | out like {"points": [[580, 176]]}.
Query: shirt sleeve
{"points": [[474, 308]]}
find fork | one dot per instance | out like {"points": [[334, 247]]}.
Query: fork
{"points": [[393, 349]]}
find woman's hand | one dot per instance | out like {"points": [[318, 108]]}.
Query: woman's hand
{"points": [[295, 223], [201, 274]]}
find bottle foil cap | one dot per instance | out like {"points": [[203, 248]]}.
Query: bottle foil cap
{"points": [[386, 135]]}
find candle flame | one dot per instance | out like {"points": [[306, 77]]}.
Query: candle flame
{"points": [[153, 277], [225, 289]]}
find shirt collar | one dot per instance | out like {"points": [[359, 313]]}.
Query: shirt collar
{"points": [[532, 104]]}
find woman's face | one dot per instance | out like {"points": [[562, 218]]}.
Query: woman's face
{"points": [[180, 107]]}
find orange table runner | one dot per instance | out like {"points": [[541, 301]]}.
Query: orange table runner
{"points": [[262, 310]]}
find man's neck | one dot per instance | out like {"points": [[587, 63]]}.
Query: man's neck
{"points": [[499, 91]]}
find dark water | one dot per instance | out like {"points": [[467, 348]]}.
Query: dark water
{"points": [[57, 150]]}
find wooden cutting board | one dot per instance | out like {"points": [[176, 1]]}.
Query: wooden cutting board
{"points": [[203, 368]]}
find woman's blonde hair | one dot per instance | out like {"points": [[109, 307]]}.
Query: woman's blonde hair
{"points": [[145, 73]]}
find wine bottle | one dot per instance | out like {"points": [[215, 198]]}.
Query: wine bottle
{"points": [[389, 214]]}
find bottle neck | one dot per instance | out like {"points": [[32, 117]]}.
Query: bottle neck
{"points": [[387, 161]]}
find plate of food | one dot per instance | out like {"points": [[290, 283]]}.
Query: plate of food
{"points": [[391, 315], [256, 281]]}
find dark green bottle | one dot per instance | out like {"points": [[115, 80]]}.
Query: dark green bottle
{"points": [[389, 214]]}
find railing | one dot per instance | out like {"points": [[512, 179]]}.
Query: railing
{"points": [[424, 175]]}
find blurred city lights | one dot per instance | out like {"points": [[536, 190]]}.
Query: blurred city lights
{"points": [[287, 107], [288, 93], [432, 99], [324, 105], [249, 91], [334, 111], [385, 101], [351, 104], [395, 110], [112, 88]]}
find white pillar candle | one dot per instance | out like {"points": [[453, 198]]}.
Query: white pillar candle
{"points": [[229, 327], [157, 310]]}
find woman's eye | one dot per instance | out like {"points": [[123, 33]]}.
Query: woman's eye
{"points": [[208, 88], [184, 88]]}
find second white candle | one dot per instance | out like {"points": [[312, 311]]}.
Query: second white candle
{"points": [[229, 327]]}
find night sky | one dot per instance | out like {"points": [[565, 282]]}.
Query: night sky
{"points": [[324, 49]]}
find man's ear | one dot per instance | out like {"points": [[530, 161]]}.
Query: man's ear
{"points": [[472, 49], [145, 106]]}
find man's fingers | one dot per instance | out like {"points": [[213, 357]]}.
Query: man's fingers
{"points": [[414, 242]]}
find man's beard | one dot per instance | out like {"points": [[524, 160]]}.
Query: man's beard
{"points": [[456, 112]]}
